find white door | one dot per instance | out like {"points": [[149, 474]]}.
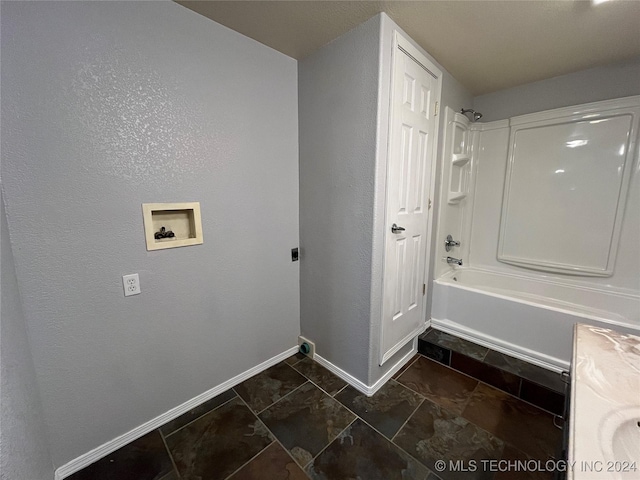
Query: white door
{"points": [[411, 152]]}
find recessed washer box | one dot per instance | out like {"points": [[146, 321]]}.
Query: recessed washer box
{"points": [[183, 219]]}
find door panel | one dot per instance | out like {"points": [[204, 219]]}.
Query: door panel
{"points": [[401, 255], [411, 151]]}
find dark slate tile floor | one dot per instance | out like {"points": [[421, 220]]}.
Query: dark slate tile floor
{"points": [[533, 384], [451, 390], [296, 420], [306, 421]]}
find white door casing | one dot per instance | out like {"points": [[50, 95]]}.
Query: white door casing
{"points": [[415, 90]]}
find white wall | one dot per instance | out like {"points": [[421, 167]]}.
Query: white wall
{"points": [[24, 451], [106, 105], [592, 85]]}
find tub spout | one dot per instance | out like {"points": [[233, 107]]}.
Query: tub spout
{"points": [[456, 261]]}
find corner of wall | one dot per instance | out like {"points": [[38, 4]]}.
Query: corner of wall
{"points": [[25, 451], [338, 95]]}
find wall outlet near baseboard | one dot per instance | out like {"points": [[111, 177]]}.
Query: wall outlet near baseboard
{"points": [[312, 346]]}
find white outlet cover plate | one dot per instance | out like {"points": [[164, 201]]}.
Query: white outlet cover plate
{"points": [[131, 284]]}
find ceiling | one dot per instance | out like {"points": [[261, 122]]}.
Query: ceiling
{"points": [[486, 45]]}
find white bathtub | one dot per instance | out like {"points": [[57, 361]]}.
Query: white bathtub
{"points": [[527, 318]]}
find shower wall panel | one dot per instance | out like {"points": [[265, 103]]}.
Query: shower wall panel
{"points": [[489, 172], [565, 192]]}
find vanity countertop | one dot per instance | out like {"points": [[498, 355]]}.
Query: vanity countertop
{"points": [[604, 428]]}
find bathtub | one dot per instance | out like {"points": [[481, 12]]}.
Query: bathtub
{"points": [[528, 318]]}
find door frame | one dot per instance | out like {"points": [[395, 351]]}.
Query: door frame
{"points": [[403, 46]]}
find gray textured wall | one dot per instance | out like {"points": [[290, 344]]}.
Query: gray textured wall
{"points": [[343, 104], [24, 451], [592, 85], [105, 106], [338, 95]]}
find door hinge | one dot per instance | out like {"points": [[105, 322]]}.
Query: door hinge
{"points": [[436, 110], [424, 288], [429, 205]]}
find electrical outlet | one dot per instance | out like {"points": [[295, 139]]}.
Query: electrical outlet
{"points": [[131, 284]]}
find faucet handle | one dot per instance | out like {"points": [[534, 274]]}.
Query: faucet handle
{"points": [[449, 243], [454, 261]]}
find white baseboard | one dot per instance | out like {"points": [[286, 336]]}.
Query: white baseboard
{"points": [[105, 449], [362, 387]]}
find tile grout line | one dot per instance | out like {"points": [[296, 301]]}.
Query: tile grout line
{"points": [[519, 387], [485, 355], [284, 396], [504, 442], [328, 444], [407, 366], [450, 412], [340, 404], [250, 460], [294, 363], [410, 455], [173, 462], [340, 391], [487, 384], [358, 417], [411, 389], [169, 476], [451, 349], [333, 398], [520, 378], [510, 394], [274, 437], [371, 426], [466, 403], [435, 403], [391, 440], [317, 384], [198, 418], [322, 389], [407, 421], [497, 367]]}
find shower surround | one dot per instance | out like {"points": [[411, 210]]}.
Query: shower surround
{"points": [[547, 210]]}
